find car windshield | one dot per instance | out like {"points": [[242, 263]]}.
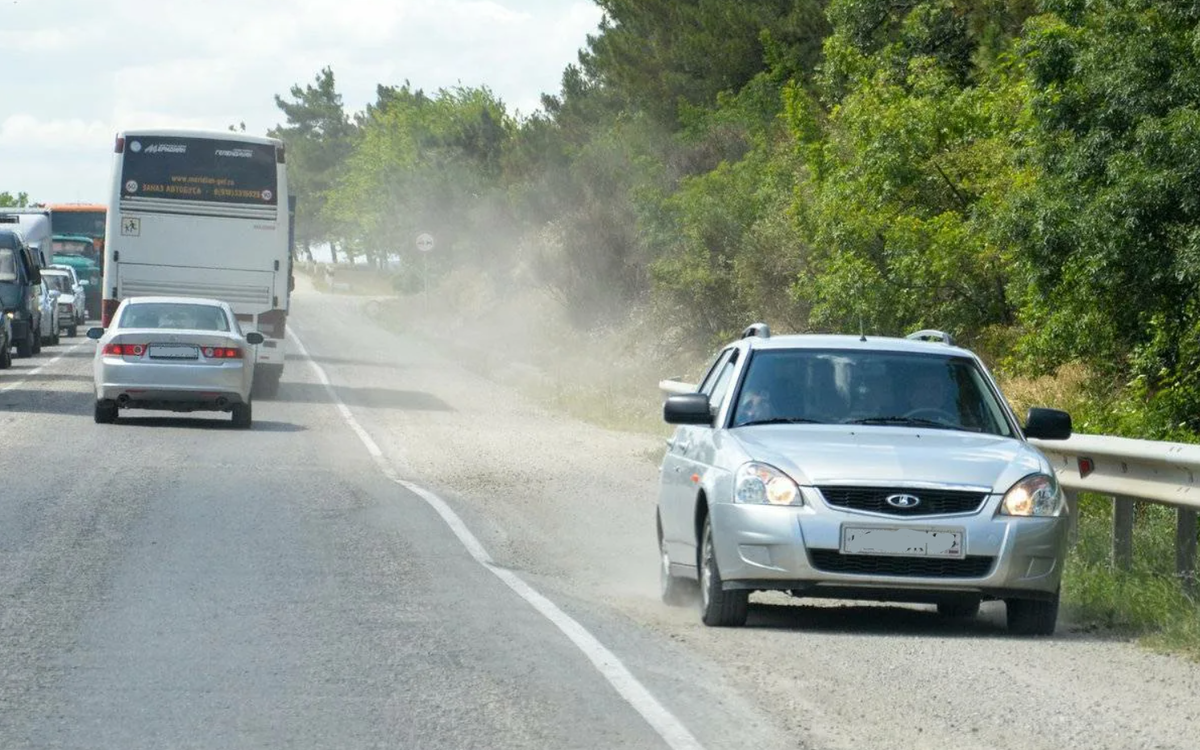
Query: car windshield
{"points": [[8, 264], [174, 315], [57, 282], [870, 388]]}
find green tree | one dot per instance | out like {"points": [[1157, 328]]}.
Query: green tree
{"points": [[8, 200], [319, 137]]}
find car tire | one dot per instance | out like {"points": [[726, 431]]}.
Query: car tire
{"points": [[5, 357], [105, 413], [25, 346], [718, 607], [1032, 616], [36, 345], [966, 608], [72, 332], [55, 340], [242, 416], [675, 591]]}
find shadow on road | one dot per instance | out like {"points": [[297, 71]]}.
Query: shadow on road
{"points": [[213, 423], [58, 377], [379, 398]]}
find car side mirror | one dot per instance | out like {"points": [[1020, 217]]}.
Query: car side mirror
{"points": [[1047, 424], [95, 333], [689, 408], [255, 338]]}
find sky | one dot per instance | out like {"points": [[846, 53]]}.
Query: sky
{"points": [[77, 71]]}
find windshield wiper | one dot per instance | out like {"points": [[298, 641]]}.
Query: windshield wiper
{"points": [[910, 422], [781, 420]]}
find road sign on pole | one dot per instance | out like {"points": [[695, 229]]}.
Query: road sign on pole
{"points": [[425, 246], [425, 242]]}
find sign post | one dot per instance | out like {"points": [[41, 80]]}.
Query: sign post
{"points": [[425, 246]]}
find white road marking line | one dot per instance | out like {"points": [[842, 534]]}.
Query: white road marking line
{"points": [[39, 368], [670, 728]]}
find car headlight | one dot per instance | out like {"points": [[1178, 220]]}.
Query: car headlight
{"points": [[760, 484], [1035, 495]]}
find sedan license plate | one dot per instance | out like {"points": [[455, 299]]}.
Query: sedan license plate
{"points": [[173, 351], [907, 542]]}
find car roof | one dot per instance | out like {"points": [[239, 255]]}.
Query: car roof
{"points": [[175, 300], [853, 343]]}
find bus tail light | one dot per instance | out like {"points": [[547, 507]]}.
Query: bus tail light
{"points": [[120, 147], [280, 156], [107, 311]]}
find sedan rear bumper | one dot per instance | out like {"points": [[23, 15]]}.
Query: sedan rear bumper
{"points": [[172, 386]]}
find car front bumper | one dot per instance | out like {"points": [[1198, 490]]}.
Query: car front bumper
{"points": [[798, 549]]}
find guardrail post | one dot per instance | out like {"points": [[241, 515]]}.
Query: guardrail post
{"points": [[1185, 548], [1073, 512], [1123, 512]]}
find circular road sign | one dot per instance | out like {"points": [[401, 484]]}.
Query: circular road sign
{"points": [[425, 242]]}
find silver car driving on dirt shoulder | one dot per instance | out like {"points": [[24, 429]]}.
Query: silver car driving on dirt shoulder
{"points": [[857, 467], [179, 354]]}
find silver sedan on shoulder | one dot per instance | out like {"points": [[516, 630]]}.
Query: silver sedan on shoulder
{"points": [[178, 354], [858, 467]]}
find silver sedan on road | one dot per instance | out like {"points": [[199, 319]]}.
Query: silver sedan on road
{"points": [[178, 354], [859, 468]]}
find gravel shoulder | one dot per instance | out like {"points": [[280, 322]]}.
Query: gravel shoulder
{"points": [[571, 506]]}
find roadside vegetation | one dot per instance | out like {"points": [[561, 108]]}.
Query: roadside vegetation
{"points": [[1023, 174]]}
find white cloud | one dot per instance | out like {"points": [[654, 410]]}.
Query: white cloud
{"points": [[90, 68]]}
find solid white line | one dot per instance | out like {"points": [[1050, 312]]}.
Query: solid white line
{"points": [[39, 368], [670, 728]]}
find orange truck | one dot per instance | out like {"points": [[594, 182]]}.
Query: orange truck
{"points": [[80, 218]]}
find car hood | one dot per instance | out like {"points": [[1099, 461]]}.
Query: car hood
{"points": [[820, 454]]}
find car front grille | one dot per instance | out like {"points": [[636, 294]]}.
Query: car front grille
{"points": [[832, 561], [931, 502]]}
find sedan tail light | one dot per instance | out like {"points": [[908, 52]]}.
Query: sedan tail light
{"points": [[125, 350], [222, 352]]}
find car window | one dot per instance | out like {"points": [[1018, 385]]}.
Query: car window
{"points": [[174, 315], [717, 387], [871, 388], [8, 264]]}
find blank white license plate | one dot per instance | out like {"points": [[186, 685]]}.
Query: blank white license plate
{"points": [[876, 540], [173, 351]]}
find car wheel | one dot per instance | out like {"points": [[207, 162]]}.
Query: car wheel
{"points": [[55, 340], [242, 416], [72, 332], [36, 345], [5, 357], [718, 608], [675, 592], [105, 413], [959, 609], [25, 346], [1032, 616]]}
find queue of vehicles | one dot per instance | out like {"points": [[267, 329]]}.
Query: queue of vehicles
{"points": [[204, 216]]}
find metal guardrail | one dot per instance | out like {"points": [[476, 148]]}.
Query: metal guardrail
{"points": [[1131, 471], [1127, 470]]}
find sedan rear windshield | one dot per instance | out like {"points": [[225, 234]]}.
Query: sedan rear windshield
{"points": [[897, 389], [174, 315]]}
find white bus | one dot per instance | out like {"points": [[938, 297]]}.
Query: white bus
{"points": [[203, 214]]}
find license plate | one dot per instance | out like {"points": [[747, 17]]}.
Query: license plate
{"points": [[906, 542], [172, 351]]}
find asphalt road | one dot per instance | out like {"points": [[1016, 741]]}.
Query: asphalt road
{"points": [[173, 582]]}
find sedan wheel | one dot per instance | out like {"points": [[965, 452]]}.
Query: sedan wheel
{"points": [[5, 357], [1032, 616], [105, 413], [718, 608], [242, 417]]}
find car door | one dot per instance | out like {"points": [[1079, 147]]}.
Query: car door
{"points": [[688, 457]]}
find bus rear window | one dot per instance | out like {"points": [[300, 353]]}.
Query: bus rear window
{"points": [[199, 169]]}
